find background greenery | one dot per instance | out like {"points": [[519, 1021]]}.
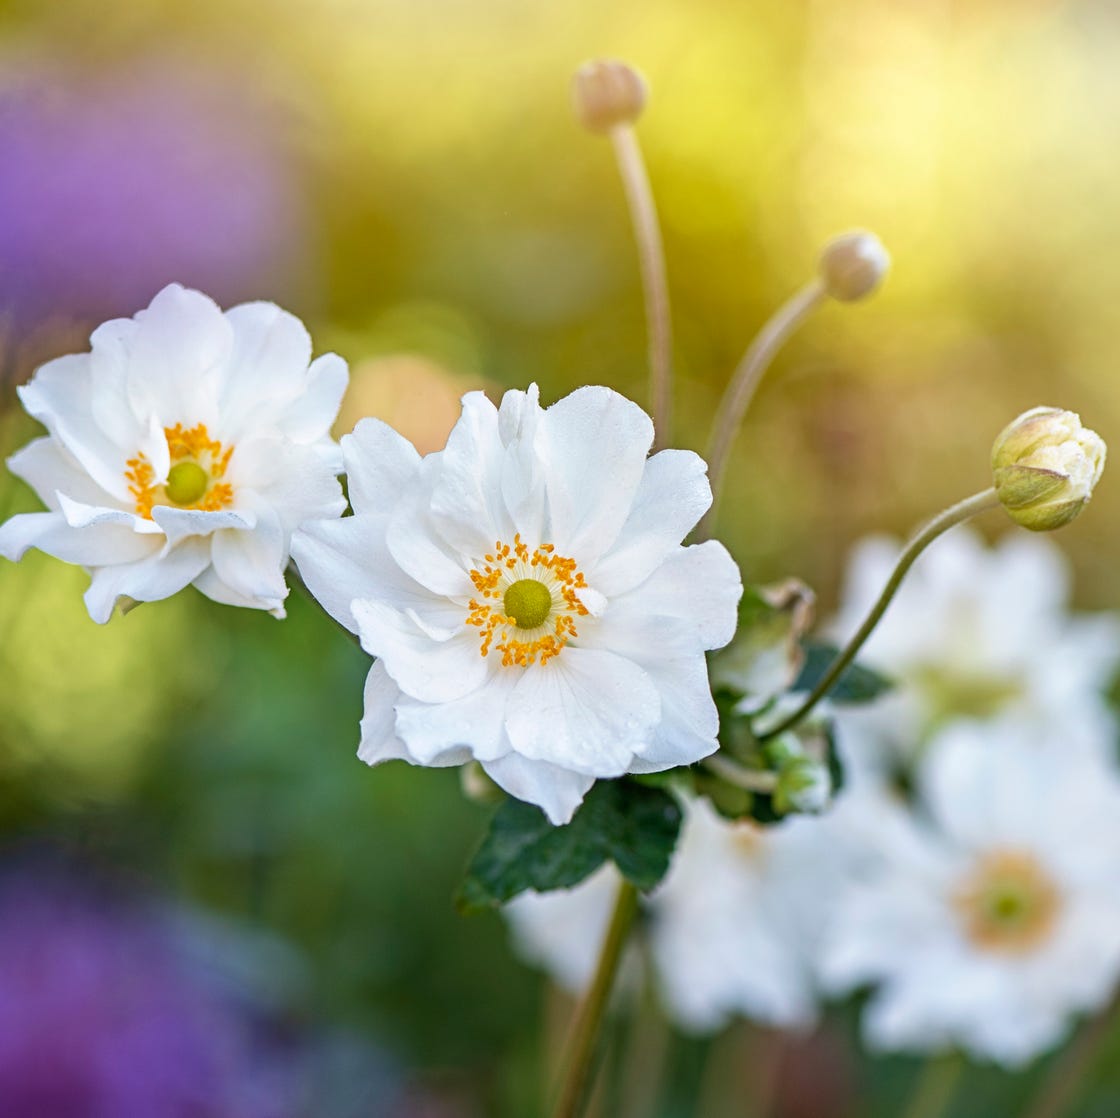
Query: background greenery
{"points": [[405, 176]]}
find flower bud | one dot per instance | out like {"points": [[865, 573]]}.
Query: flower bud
{"points": [[477, 786], [804, 787], [1045, 465], [606, 94], [853, 265]]}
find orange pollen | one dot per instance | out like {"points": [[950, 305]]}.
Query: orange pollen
{"points": [[506, 565], [195, 446]]}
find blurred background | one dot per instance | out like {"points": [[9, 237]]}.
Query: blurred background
{"points": [[406, 177]]}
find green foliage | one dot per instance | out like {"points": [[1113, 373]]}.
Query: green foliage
{"points": [[858, 684], [634, 825]]}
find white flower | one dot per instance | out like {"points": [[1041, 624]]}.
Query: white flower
{"points": [[184, 448], [527, 596], [731, 931], [980, 633], [993, 917]]}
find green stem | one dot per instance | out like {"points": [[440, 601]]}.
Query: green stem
{"points": [[589, 1019], [745, 380], [655, 284], [1067, 1075], [936, 1085], [957, 513]]}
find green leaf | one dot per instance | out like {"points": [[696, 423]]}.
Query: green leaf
{"points": [[857, 685], [633, 825]]}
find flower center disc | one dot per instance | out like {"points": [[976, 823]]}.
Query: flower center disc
{"points": [[528, 602], [186, 483], [1009, 903]]}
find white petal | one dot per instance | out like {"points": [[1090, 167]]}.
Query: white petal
{"points": [[558, 792], [178, 524], [310, 417], [689, 604], [341, 560], [585, 710], [49, 469], [181, 344], [689, 719], [147, 580], [413, 541], [594, 444], [476, 721], [379, 736], [430, 670], [111, 405], [292, 480], [59, 395], [216, 590], [266, 369], [79, 515], [467, 504], [674, 493], [379, 464], [93, 546], [252, 562], [523, 475]]}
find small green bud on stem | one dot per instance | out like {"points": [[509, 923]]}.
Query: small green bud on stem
{"points": [[1045, 466]]}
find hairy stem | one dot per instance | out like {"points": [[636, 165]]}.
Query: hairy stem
{"points": [[589, 1017], [745, 380], [955, 514], [655, 285]]}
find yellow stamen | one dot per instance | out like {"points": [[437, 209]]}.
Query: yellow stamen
{"points": [[538, 592], [197, 465]]}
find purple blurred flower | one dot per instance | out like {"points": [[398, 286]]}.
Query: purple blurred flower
{"points": [[112, 187], [100, 1018]]}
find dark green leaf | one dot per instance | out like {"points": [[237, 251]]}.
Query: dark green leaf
{"points": [[857, 685], [633, 825]]}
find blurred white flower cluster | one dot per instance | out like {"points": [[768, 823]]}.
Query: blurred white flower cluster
{"points": [[963, 875]]}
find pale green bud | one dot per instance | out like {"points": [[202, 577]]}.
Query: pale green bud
{"points": [[477, 786], [1044, 467], [803, 786], [853, 265], [606, 94]]}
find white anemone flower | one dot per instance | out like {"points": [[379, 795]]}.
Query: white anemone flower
{"points": [[989, 917], [975, 633], [183, 449], [526, 595], [731, 931]]}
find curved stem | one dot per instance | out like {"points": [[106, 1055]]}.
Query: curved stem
{"points": [[955, 514], [1067, 1074], [655, 285], [585, 1033], [937, 1082], [745, 380]]}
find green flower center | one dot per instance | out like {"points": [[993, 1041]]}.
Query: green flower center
{"points": [[186, 483], [528, 602]]}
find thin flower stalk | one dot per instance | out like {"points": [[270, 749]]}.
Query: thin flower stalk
{"points": [[955, 514]]}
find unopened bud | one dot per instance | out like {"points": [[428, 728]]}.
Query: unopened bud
{"points": [[477, 786], [1045, 465], [853, 265], [607, 93], [803, 786]]}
